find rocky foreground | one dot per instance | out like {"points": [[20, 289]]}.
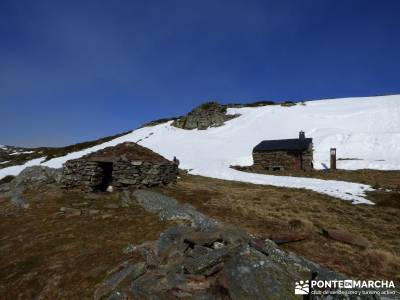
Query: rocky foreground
{"points": [[201, 258], [206, 259]]}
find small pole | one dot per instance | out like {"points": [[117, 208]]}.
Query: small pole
{"points": [[333, 158]]}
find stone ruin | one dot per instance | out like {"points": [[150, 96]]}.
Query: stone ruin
{"points": [[125, 165], [210, 114]]}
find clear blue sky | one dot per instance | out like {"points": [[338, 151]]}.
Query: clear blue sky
{"points": [[77, 70]]}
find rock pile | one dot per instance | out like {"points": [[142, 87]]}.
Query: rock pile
{"points": [[210, 114], [222, 263], [207, 260]]}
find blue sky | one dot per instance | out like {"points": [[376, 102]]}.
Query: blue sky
{"points": [[72, 71]]}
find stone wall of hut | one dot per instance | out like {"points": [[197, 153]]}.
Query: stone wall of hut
{"points": [[87, 175], [283, 159]]}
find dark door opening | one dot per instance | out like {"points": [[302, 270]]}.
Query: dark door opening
{"points": [[106, 180]]}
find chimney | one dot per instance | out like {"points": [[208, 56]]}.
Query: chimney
{"points": [[302, 135]]}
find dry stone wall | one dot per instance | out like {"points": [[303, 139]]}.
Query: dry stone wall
{"points": [[87, 175], [287, 160]]}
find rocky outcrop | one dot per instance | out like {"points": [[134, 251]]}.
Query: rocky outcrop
{"points": [[32, 176], [220, 263], [217, 261], [29, 177], [210, 114], [38, 174]]}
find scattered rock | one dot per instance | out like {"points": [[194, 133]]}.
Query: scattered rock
{"points": [[346, 237], [70, 212], [210, 262]]}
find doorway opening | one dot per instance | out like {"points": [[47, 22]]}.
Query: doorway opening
{"points": [[106, 179]]}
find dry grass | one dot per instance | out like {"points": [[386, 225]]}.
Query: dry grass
{"points": [[267, 211], [44, 254], [381, 259]]}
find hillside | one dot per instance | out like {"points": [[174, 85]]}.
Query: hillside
{"points": [[365, 131]]}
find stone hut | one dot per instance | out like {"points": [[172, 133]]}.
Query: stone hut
{"points": [[125, 165], [289, 154]]}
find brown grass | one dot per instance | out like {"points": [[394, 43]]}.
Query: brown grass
{"points": [[381, 259], [267, 211], [44, 253]]}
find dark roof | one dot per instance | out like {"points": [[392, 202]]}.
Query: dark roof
{"points": [[284, 145]]}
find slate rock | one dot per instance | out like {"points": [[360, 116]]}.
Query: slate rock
{"points": [[112, 281], [173, 239], [203, 262], [346, 237], [254, 276]]}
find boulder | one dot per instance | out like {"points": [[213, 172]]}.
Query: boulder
{"points": [[38, 174]]}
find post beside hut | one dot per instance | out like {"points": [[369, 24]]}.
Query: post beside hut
{"points": [[333, 158]]}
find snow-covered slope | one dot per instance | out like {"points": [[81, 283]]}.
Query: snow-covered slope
{"points": [[364, 130]]}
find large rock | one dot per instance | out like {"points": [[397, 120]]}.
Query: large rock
{"points": [[31, 176], [210, 114], [37, 174], [255, 276]]}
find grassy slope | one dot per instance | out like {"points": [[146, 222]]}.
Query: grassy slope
{"points": [[267, 210]]}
